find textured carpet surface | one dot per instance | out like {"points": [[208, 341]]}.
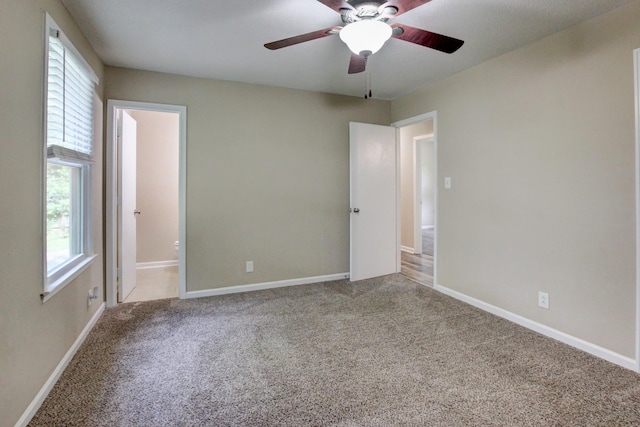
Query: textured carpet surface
{"points": [[380, 352]]}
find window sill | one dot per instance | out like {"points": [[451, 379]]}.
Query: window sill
{"points": [[54, 287]]}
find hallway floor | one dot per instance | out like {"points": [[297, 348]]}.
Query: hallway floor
{"points": [[419, 267], [155, 283]]}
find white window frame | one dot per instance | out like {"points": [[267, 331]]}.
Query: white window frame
{"points": [[63, 274]]}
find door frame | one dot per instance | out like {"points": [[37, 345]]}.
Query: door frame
{"points": [[418, 146], [433, 115], [112, 176], [636, 75]]}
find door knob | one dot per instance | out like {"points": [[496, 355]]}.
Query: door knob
{"points": [[137, 212], [356, 210]]}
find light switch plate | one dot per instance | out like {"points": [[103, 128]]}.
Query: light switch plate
{"points": [[447, 182]]}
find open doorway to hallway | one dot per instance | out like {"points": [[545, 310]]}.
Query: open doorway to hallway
{"points": [[418, 200], [145, 198], [151, 177]]}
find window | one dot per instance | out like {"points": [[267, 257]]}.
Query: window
{"points": [[69, 86]]}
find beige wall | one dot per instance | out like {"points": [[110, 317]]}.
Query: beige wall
{"points": [[156, 185], [540, 147], [407, 166], [34, 336], [267, 175]]}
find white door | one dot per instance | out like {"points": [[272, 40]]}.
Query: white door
{"points": [[128, 210], [373, 176]]}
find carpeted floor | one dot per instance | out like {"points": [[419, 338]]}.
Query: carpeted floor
{"points": [[381, 352]]}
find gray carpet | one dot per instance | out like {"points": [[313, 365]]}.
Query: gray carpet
{"points": [[380, 352]]}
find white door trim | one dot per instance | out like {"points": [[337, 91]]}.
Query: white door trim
{"points": [[433, 115], [636, 68], [111, 177], [417, 188]]}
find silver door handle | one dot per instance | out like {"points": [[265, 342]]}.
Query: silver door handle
{"points": [[137, 212]]}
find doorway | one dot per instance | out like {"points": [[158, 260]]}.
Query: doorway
{"points": [[145, 256], [417, 149]]}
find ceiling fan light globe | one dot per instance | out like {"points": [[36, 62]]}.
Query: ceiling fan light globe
{"points": [[365, 37]]}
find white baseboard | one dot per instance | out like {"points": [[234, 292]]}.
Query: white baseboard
{"points": [[407, 249], [157, 264], [55, 375], [265, 285], [596, 350]]}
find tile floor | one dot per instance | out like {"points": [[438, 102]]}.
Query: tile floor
{"points": [[155, 283]]}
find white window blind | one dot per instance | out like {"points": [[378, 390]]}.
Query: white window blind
{"points": [[69, 104], [69, 114]]}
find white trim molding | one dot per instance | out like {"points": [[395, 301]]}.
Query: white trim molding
{"points": [[596, 350], [636, 75], [68, 277], [266, 285], [59, 369], [416, 119], [157, 264]]}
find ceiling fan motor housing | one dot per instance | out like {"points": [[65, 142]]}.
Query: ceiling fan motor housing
{"points": [[363, 9]]}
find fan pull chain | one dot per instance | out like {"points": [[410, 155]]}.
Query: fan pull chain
{"points": [[367, 86]]}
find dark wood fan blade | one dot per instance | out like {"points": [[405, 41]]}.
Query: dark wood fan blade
{"points": [[427, 38], [336, 4], [404, 5], [357, 64], [302, 38]]}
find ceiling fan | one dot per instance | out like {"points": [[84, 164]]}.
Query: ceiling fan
{"points": [[365, 29]]}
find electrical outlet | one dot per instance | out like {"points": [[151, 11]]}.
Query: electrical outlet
{"points": [[91, 295], [249, 266], [543, 300]]}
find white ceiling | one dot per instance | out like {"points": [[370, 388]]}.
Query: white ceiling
{"points": [[224, 39]]}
